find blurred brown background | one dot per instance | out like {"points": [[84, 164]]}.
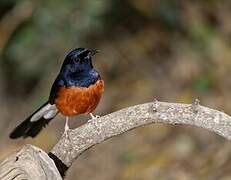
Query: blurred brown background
{"points": [[171, 50]]}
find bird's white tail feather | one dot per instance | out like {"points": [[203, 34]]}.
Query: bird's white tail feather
{"points": [[48, 111]]}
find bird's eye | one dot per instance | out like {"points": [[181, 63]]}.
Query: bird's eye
{"points": [[77, 60]]}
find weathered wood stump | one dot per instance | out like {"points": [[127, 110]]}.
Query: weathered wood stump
{"points": [[29, 162]]}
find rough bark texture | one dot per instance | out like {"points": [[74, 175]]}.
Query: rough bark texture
{"points": [[29, 163], [98, 130]]}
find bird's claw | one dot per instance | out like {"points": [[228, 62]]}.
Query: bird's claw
{"points": [[97, 116], [93, 117]]}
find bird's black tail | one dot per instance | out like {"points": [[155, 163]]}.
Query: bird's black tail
{"points": [[34, 123]]}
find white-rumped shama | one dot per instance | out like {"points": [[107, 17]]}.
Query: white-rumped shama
{"points": [[76, 90]]}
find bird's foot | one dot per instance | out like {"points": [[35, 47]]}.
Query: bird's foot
{"points": [[93, 117]]}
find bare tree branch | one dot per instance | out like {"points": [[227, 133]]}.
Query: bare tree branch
{"points": [[98, 130], [65, 152]]}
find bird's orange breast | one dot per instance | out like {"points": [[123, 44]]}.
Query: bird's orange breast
{"points": [[72, 101]]}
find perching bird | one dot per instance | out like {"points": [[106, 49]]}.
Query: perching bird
{"points": [[76, 90]]}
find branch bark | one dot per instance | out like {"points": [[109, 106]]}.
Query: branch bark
{"points": [[69, 148], [98, 130]]}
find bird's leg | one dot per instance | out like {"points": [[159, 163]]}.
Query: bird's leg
{"points": [[66, 128], [93, 117]]}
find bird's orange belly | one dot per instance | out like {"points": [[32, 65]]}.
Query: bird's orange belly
{"points": [[72, 101]]}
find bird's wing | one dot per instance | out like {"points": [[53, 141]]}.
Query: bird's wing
{"points": [[58, 83]]}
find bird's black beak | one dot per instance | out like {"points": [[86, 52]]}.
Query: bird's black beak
{"points": [[93, 52]]}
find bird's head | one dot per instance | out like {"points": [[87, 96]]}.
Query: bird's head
{"points": [[79, 59]]}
